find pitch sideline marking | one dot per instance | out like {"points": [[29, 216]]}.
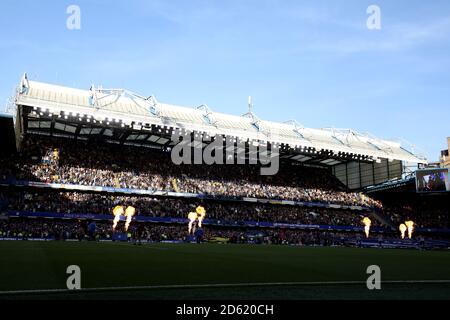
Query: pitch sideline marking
{"points": [[220, 285]]}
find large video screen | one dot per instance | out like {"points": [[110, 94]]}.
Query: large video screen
{"points": [[432, 180]]}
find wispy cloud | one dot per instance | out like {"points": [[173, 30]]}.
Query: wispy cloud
{"points": [[391, 38]]}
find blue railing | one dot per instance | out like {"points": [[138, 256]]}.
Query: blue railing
{"points": [[206, 222], [149, 192]]}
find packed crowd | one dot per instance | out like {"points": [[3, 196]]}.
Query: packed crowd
{"points": [[56, 160], [427, 211], [78, 230], [226, 211], [77, 162]]}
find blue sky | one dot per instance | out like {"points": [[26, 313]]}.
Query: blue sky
{"points": [[313, 61]]}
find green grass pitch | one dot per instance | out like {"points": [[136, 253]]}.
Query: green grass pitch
{"points": [[261, 271]]}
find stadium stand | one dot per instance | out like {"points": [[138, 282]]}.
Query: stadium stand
{"points": [[429, 211], [81, 163], [78, 230], [82, 152], [225, 211]]}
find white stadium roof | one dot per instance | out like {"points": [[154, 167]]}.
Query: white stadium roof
{"points": [[132, 110]]}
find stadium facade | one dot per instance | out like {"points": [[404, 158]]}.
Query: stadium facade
{"points": [[120, 116], [445, 159]]}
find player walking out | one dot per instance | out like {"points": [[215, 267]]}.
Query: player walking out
{"points": [[138, 234]]}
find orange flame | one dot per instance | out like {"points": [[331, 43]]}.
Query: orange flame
{"points": [[192, 216], [201, 212], [117, 212], [367, 223], [129, 213], [410, 225], [403, 229]]}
